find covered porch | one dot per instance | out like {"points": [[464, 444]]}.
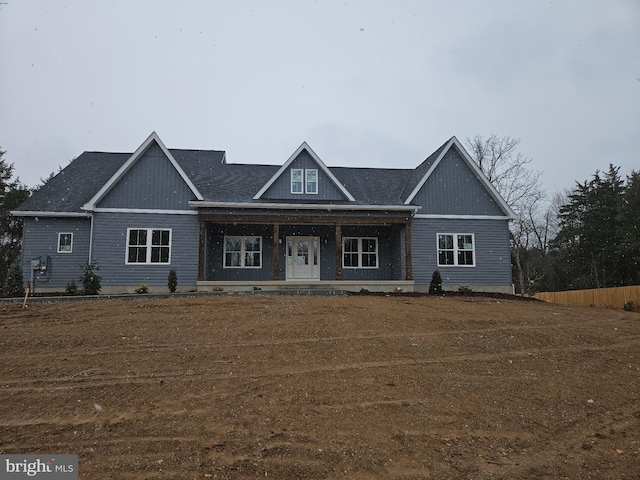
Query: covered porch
{"points": [[279, 252]]}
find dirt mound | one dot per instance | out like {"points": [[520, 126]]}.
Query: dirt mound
{"points": [[365, 386]]}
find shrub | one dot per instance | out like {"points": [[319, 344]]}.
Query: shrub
{"points": [[464, 288], [630, 307], [90, 279], [436, 283], [14, 283], [72, 288], [172, 280], [142, 288]]}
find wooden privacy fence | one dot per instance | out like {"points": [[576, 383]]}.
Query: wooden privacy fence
{"points": [[597, 297]]}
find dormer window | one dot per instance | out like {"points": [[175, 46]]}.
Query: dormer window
{"points": [[304, 180]]}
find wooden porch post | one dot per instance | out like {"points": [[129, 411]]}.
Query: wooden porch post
{"points": [[407, 247], [201, 247], [338, 251], [276, 251]]}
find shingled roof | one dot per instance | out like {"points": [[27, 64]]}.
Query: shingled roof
{"points": [[215, 180]]}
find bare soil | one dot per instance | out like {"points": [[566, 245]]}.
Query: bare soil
{"points": [[364, 387]]}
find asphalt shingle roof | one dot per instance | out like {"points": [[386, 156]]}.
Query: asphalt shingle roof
{"points": [[216, 180]]}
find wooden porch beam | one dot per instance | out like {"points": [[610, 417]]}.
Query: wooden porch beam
{"points": [[201, 248], [407, 251], [304, 219], [276, 251], [338, 251]]}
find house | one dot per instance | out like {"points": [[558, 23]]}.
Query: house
{"points": [[235, 227]]}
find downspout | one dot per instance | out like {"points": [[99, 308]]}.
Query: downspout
{"points": [[91, 241]]}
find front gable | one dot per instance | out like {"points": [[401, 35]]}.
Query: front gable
{"points": [[455, 186], [150, 180], [304, 177]]}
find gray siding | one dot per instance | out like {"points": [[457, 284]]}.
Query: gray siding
{"points": [[151, 183], [40, 239], [453, 189], [110, 244], [281, 188], [492, 254]]}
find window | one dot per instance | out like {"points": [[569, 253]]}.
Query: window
{"points": [[148, 245], [296, 180], [456, 249], [242, 252], [360, 253], [304, 181], [312, 181], [65, 242]]}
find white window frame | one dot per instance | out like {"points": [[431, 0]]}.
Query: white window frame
{"points": [[307, 190], [60, 234], [456, 250], [304, 182], [243, 251], [149, 246], [360, 253]]}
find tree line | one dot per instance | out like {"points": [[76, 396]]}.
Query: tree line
{"points": [[588, 237]]}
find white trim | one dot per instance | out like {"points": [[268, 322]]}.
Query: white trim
{"points": [[303, 206], [360, 253], [454, 142], [70, 246], [320, 164], [455, 249], [91, 204], [31, 213], [243, 251], [145, 211], [460, 217], [149, 246]]}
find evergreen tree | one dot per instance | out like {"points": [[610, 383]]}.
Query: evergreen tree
{"points": [[589, 242], [12, 194]]}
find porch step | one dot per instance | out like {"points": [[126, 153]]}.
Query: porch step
{"points": [[322, 290]]}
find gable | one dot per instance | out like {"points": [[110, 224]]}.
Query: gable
{"points": [[152, 182], [452, 188], [290, 182], [455, 185], [152, 185]]}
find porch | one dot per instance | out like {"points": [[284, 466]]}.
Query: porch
{"points": [[241, 252]]}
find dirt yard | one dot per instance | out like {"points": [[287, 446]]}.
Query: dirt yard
{"points": [[364, 387]]}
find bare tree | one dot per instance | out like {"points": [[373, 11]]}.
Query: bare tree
{"points": [[508, 170]]}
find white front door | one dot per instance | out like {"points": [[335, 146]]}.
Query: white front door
{"points": [[303, 258]]}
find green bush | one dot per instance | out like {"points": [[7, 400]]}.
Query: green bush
{"points": [[464, 288], [72, 288], [436, 283], [90, 279], [142, 288], [172, 280], [14, 283]]}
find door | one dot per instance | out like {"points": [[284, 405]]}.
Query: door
{"points": [[303, 258]]}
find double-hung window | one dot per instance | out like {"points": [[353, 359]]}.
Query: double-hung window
{"points": [[360, 252], [242, 252], [65, 242], [304, 180], [456, 249], [148, 246]]}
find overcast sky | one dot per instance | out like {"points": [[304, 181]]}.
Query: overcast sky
{"points": [[365, 83]]}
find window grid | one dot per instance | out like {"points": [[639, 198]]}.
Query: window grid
{"points": [[456, 249], [360, 252], [148, 246], [304, 181], [242, 252]]}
